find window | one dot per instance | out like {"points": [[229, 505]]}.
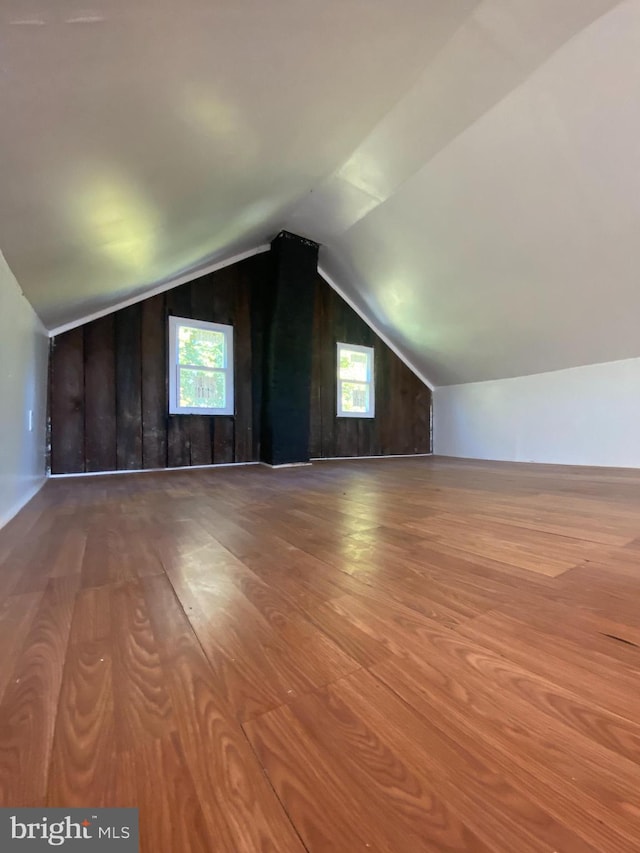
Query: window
{"points": [[200, 368], [356, 389]]}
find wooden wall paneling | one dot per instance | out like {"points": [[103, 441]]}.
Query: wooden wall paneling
{"points": [[178, 429], [356, 330], [366, 437], [48, 439], [410, 412], [100, 394], [154, 382], [243, 432], [225, 282], [397, 392], [394, 392], [108, 396], [67, 403], [414, 412], [128, 337], [421, 422], [403, 404], [347, 436], [201, 438], [223, 439], [369, 433], [201, 299]]}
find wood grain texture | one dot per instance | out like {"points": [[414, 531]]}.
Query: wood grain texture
{"points": [[401, 655], [100, 395], [28, 709], [66, 404], [154, 383], [403, 403], [128, 347], [108, 383]]}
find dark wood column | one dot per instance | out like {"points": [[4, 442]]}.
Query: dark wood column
{"points": [[287, 350]]}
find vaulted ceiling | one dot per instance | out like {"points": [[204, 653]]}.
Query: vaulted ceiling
{"points": [[471, 167]]}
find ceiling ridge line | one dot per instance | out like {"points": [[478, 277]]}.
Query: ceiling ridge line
{"points": [[427, 163]]}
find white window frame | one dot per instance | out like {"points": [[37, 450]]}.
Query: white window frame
{"points": [[369, 352], [174, 367]]}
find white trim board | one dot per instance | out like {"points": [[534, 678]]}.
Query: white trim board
{"points": [[403, 358], [161, 288], [152, 470], [286, 465], [388, 456], [224, 465]]}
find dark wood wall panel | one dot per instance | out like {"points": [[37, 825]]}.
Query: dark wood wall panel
{"points": [[403, 403], [109, 383], [155, 399], [100, 395], [67, 403], [128, 323]]}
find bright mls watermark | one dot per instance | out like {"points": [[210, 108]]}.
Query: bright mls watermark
{"points": [[79, 830]]}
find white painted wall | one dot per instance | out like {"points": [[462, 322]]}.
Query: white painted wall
{"points": [[24, 350], [581, 416]]}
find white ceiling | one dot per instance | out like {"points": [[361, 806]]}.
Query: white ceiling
{"points": [[472, 167]]}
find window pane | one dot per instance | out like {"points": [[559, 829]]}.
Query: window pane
{"points": [[355, 397], [202, 389], [353, 365], [200, 347]]}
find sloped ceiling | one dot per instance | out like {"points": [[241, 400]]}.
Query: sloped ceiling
{"points": [[472, 169]]}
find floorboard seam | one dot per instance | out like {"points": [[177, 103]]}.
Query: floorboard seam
{"points": [[65, 666], [275, 793]]}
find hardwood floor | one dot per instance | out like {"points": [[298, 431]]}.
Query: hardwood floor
{"points": [[393, 655]]}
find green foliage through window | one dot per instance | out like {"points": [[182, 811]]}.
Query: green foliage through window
{"points": [[355, 397], [200, 367], [353, 365], [200, 347], [202, 389], [356, 390]]}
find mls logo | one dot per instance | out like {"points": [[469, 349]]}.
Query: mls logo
{"points": [[54, 832], [36, 830]]}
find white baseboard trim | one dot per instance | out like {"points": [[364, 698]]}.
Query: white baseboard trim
{"points": [[152, 470], [286, 465], [388, 456], [219, 465], [19, 504]]}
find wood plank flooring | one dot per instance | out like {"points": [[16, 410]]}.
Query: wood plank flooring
{"points": [[389, 655]]}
